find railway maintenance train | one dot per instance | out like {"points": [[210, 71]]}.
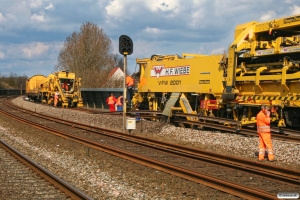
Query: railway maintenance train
{"points": [[41, 88], [261, 67]]}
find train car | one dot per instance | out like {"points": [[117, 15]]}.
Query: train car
{"points": [[261, 67], [33, 87], [41, 88]]}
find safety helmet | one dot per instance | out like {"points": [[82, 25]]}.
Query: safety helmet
{"points": [[265, 107]]}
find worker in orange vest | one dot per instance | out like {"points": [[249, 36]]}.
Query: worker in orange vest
{"points": [[111, 102], [65, 86], [264, 131], [120, 103], [56, 96], [129, 85]]}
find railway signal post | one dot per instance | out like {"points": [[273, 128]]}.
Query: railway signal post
{"points": [[125, 48]]}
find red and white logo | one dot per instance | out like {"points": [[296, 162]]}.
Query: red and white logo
{"points": [[160, 71], [157, 70]]}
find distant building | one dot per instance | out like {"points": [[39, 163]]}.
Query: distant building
{"points": [[114, 79]]}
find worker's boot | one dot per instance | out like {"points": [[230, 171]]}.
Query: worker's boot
{"points": [[270, 155]]}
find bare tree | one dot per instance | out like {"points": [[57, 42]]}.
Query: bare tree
{"points": [[119, 61], [88, 53]]}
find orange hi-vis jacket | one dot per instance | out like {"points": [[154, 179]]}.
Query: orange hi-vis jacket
{"points": [[65, 86], [111, 100], [263, 123], [119, 102], [129, 81], [56, 95]]}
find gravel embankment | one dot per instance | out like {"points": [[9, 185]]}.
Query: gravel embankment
{"points": [[101, 175]]}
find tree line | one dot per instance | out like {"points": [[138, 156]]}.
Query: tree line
{"points": [[13, 81]]}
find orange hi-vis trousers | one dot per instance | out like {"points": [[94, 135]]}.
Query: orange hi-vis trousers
{"points": [[55, 100], [265, 143]]}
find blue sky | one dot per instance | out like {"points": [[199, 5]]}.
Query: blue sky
{"points": [[32, 32]]}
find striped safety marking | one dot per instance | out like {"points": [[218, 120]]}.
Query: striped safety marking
{"points": [[290, 98]]}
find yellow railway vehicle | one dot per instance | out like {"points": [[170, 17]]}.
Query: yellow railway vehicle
{"points": [[40, 88], [33, 85], [261, 67]]}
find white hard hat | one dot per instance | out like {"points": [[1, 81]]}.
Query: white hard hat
{"points": [[265, 107]]}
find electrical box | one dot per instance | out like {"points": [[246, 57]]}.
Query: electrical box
{"points": [[130, 123]]}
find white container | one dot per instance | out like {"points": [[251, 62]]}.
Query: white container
{"points": [[130, 123]]}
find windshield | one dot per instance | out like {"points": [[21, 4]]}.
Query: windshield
{"points": [[66, 84]]}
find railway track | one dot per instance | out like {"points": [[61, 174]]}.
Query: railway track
{"points": [[214, 123], [192, 164], [143, 114], [22, 178], [233, 127], [206, 122]]}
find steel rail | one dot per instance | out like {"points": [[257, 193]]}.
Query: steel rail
{"points": [[244, 131], [281, 130], [69, 190], [208, 118], [132, 113], [285, 131]]}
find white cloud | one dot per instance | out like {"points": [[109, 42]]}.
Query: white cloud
{"points": [[17, 15], [37, 17], [225, 8], [163, 5], [1, 55], [199, 2], [115, 8], [34, 49], [295, 10], [49, 6], [36, 3], [149, 30], [197, 17], [268, 16], [122, 9], [220, 50], [29, 58], [2, 18]]}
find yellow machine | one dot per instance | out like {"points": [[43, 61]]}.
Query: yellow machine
{"points": [[40, 88], [33, 86], [261, 67]]}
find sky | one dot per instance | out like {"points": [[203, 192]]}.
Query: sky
{"points": [[32, 32]]}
